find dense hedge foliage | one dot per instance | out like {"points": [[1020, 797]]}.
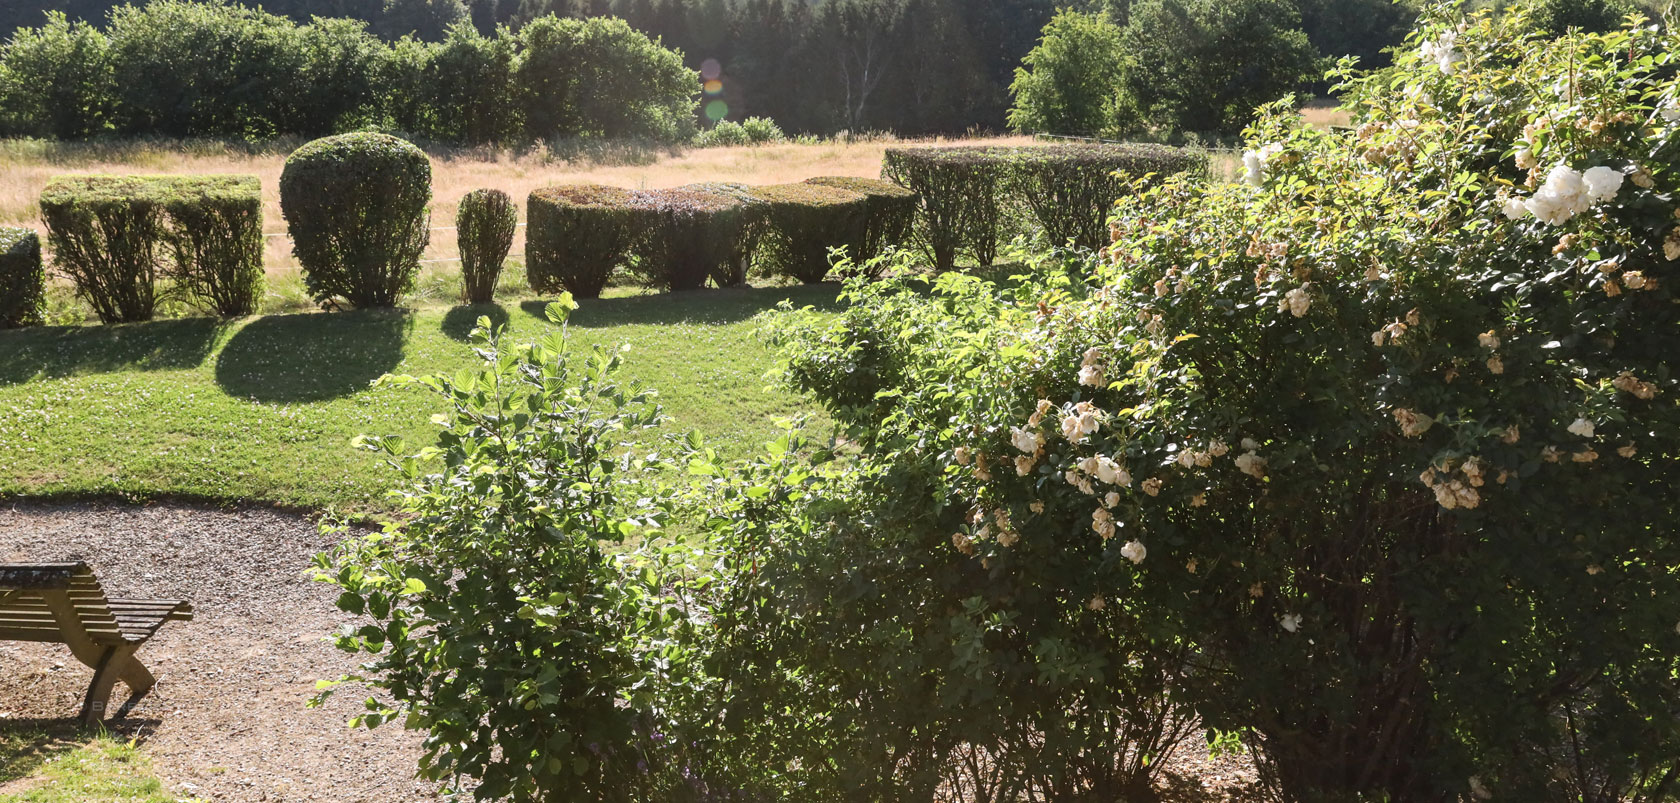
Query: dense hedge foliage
{"points": [[889, 209], [754, 225], [577, 235], [213, 232], [23, 280], [692, 237], [806, 222], [218, 69], [356, 206], [969, 194], [484, 226], [116, 236]]}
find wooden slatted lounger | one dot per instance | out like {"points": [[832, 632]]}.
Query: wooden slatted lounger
{"points": [[63, 603]]}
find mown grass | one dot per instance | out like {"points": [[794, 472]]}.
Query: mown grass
{"points": [[263, 409], [37, 767]]}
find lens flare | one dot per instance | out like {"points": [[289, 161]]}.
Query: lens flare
{"points": [[717, 110], [710, 69], [714, 87]]}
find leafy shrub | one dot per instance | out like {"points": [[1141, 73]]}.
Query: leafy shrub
{"points": [[356, 206], [511, 615], [762, 130], [727, 133], [1557, 17], [755, 224], [691, 237], [105, 233], [23, 281], [1071, 189], [577, 234], [601, 79], [460, 90], [56, 80], [961, 192], [1071, 82], [888, 212], [805, 222], [1386, 435], [484, 226], [213, 231]]}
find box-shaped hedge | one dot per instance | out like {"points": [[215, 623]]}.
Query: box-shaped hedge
{"points": [[754, 224], [114, 236], [691, 237], [968, 192], [889, 209], [805, 222], [577, 234], [23, 280]]}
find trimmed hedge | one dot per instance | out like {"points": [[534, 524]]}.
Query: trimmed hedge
{"points": [[114, 236], [213, 230], [754, 225], [484, 226], [968, 192], [888, 213], [357, 208], [805, 221], [692, 236], [577, 234], [23, 281]]}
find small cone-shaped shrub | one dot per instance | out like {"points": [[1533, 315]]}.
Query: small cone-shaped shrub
{"points": [[484, 226]]}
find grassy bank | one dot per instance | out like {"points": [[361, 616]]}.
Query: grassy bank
{"points": [[263, 409]]}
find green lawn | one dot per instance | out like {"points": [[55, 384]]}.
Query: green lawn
{"points": [[263, 409], [36, 767]]}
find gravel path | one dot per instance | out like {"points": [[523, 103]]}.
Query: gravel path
{"points": [[227, 720]]}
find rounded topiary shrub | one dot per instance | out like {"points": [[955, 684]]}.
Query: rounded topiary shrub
{"points": [[356, 205], [484, 226], [577, 234], [23, 281], [106, 234], [691, 238], [889, 209], [806, 221], [749, 234]]}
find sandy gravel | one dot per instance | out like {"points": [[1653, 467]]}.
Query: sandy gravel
{"points": [[227, 720]]}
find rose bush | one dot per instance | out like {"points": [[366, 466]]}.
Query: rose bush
{"points": [[1372, 456]]}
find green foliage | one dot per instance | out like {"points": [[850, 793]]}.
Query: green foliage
{"points": [[23, 281], [1202, 66], [1070, 83], [464, 90], [754, 225], [762, 130], [1392, 421], [600, 78], [356, 207], [960, 189], [213, 232], [888, 212], [577, 234], [510, 617], [806, 222], [726, 134], [484, 223], [343, 79], [1070, 190], [1557, 17], [105, 233], [427, 20], [55, 80], [691, 237]]}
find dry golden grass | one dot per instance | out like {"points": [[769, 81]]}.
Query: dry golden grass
{"points": [[1324, 113], [27, 166]]}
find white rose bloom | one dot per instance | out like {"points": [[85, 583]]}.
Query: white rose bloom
{"points": [[1602, 183], [1526, 159], [1563, 196], [1070, 429], [1291, 622], [1026, 440], [1103, 523], [1110, 472], [1583, 428], [1514, 208], [1253, 168], [1134, 551], [1091, 376], [1112, 499], [1488, 339], [1252, 464]]}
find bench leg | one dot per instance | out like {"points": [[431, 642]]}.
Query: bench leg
{"points": [[112, 664]]}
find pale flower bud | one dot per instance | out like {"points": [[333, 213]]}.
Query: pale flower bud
{"points": [[1134, 551]]}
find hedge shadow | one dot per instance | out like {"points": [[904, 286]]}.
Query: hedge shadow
{"points": [[458, 322], [53, 352], [312, 356], [722, 306]]}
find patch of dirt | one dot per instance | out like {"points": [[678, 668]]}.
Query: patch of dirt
{"points": [[226, 721]]}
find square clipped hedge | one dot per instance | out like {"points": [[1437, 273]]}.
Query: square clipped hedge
{"points": [[805, 222], [578, 234], [115, 236], [23, 280], [888, 212]]}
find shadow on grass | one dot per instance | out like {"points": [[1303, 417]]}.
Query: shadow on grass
{"points": [[51, 352], [726, 306], [312, 356], [27, 744], [458, 322]]}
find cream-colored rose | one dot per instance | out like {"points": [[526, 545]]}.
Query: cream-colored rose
{"points": [[1134, 551]]}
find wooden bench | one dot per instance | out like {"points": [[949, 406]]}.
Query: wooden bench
{"points": [[63, 603]]}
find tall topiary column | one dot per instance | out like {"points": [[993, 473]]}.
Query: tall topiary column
{"points": [[357, 207]]}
